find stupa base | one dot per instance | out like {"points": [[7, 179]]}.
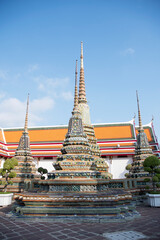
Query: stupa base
{"points": [[114, 205]]}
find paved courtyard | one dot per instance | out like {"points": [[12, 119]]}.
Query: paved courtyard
{"points": [[147, 226]]}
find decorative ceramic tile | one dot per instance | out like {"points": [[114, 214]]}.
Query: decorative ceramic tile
{"points": [[124, 235]]}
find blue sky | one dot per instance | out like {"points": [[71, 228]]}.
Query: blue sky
{"points": [[40, 42]]}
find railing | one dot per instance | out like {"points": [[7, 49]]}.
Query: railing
{"points": [[126, 184]]}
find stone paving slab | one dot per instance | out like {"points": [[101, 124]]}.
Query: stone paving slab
{"points": [[125, 235], [148, 225]]}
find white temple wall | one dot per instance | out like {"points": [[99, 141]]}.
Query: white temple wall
{"points": [[117, 166], [2, 160], [46, 163]]}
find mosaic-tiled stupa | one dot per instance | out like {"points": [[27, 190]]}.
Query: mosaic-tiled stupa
{"points": [[26, 170], [85, 113], [76, 151], [142, 150], [80, 159], [80, 187]]}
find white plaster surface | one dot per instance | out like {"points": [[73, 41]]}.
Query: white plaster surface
{"points": [[46, 163], [84, 110], [2, 162], [117, 166]]}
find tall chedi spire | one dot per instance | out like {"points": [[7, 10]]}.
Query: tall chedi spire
{"points": [[82, 101], [24, 143], [142, 141], [85, 112], [139, 114], [75, 91], [77, 160], [75, 146], [26, 168], [142, 149], [26, 119], [82, 90]]}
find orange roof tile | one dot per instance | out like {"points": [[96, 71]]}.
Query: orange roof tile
{"points": [[44, 140], [115, 144], [37, 135], [118, 151], [13, 135], [113, 132], [57, 134], [1, 136]]}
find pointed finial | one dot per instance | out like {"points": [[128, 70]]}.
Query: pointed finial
{"points": [[139, 113], [76, 72], [134, 117], [76, 91], [82, 90], [26, 119], [152, 118], [82, 55]]}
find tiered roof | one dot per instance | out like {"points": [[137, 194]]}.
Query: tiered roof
{"points": [[3, 147], [142, 150], [113, 139]]}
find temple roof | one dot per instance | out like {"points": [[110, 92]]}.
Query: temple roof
{"points": [[1, 135], [113, 139]]}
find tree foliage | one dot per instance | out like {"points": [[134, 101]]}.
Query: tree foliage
{"points": [[152, 165], [128, 167], [151, 162], [7, 172], [42, 171]]}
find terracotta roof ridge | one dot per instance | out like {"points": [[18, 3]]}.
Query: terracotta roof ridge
{"points": [[65, 125], [32, 127], [145, 125]]}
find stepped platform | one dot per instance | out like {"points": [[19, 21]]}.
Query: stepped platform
{"points": [[113, 205]]}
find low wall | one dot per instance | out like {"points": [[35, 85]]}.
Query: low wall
{"points": [[125, 184]]}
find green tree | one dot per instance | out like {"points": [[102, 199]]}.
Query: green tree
{"points": [[7, 172], [128, 168], [152, 166], [42, 171]]}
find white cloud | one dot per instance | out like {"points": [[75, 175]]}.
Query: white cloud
{"points": [[42, 105], [33, 68], [55, 87], [47, 84], [128, 51], [67, 95], [12, 111]]}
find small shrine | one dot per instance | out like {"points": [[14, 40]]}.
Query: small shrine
{"points": [[142, 150], [26, 170]]}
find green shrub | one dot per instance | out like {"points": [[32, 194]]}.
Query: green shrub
{"points": [[158, 185], [42, 171], [147, 180], [155, 179], [152, 166], [128, 167], [7, 172]]}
